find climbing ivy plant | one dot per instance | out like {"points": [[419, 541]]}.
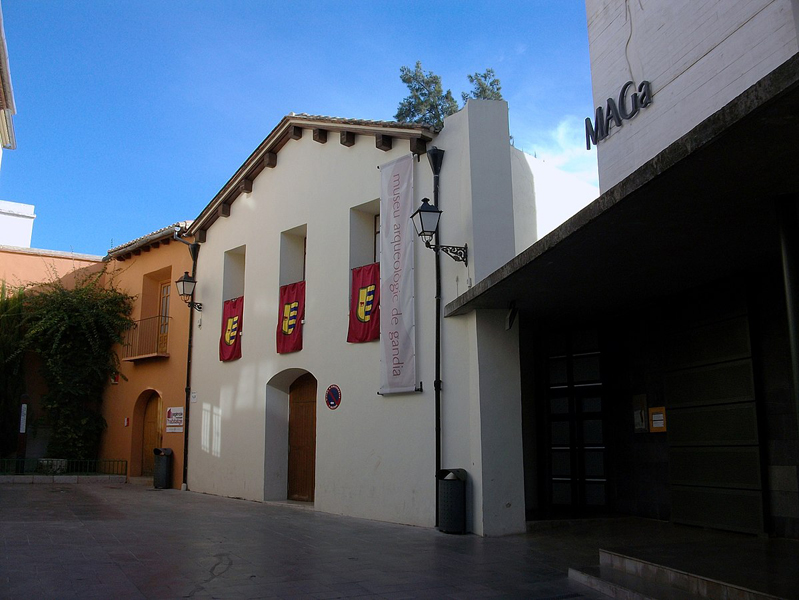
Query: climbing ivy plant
{"points": [[73, 330], [11, 366]]}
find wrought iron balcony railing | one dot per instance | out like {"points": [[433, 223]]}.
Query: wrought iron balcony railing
{"points": [[148, 338], [62, 466]]}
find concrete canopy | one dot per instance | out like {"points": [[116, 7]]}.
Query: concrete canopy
{"points": [[700, 210]]}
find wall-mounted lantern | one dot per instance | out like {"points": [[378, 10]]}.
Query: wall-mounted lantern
{"points": [[186, 285], [425, 221]]}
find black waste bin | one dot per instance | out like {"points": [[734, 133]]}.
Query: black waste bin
{"points": [[452, 500], [162, 473]]}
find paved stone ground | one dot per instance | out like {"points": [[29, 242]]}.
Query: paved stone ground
{"points": [[122, 541]]}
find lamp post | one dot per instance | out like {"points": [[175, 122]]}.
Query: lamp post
{"points": [[186, 285], [426, 222]]}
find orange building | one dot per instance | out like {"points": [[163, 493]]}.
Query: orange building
{"points": [[21, 266], [146, 408]]}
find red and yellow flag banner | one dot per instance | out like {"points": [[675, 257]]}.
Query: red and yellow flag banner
{"points": [[365, 304], [230, 342], [291, 312]]}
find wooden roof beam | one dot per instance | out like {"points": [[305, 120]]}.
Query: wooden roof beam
{"points": [[383, 142], [419, 145], [320, 135], [347, 138]]}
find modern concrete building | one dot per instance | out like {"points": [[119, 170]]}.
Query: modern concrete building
{"points": [[144, 409], [7, 107], [305, 207], [659, 342], [698, 57]]}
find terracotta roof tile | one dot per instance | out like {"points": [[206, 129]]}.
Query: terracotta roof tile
{"points": [[149, 238]]}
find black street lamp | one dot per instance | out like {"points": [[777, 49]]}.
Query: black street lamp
{"points": [[425, 221], [186, 285]]}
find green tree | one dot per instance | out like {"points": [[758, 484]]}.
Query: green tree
{"points": [[427, 102], [11, 365], [486, 86], [73, 330]]}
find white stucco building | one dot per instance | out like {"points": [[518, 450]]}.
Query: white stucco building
{"points": [[303, 207]]}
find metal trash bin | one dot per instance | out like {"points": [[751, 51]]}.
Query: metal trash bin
{"points": [[162, 472], [452, 500]]}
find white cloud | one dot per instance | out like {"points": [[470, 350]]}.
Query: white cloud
{"points": [[564, 148]]}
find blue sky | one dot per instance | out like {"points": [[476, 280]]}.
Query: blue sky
{"points": [[132, 115]]}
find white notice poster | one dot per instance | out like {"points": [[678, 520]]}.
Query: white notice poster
{"points": [[397, 321], [174, 419]]}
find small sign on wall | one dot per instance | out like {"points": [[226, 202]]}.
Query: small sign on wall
{"points": [[657, 419], [333, 397], [174, 419]]}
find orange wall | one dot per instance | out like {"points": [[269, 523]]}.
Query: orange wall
{"points": [[138, 276], [21, 266]]}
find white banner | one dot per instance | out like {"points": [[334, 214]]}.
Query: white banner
{"points": [[397, 320]]}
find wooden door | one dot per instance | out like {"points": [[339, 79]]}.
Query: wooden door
{"points": [[151, 435], [302, 439]]}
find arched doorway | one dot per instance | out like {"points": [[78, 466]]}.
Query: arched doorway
{"points": [[152, 432], [302, 439]]}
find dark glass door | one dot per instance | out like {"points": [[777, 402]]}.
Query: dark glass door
{"points": [[574, 429]]}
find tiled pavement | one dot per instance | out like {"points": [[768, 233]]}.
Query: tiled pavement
{"points": [[122, 541]]}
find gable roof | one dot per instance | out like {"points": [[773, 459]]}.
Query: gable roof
{"points": [[145, 242], [291, 127]]}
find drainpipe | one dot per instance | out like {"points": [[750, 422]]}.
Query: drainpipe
{"points": [[436, 157], [194, 251], [788, 221]]}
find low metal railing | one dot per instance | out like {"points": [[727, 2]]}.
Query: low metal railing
{"points": [[62, 466], [148, 337]]}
